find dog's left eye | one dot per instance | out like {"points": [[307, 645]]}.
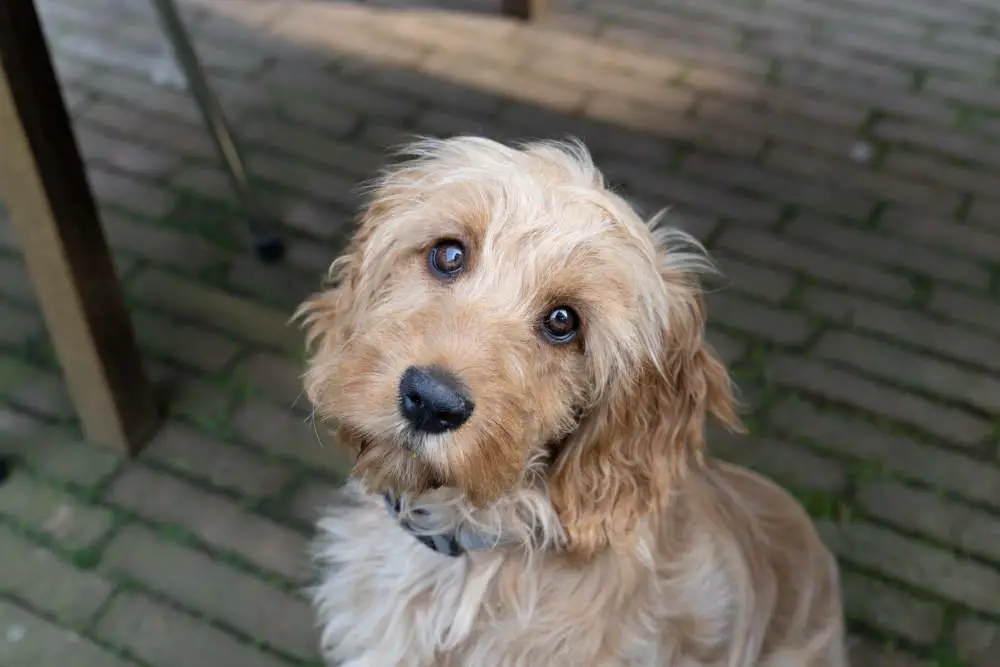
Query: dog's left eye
{"points": [[447, 259], [560, 325]]}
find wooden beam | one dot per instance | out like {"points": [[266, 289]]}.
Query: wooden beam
{"points": [[522, 9], [45, 189]]}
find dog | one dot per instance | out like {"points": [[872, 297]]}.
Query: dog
{"points": [[519, 362]]}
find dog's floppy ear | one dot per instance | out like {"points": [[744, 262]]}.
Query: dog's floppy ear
{"points": [[641, 437]]}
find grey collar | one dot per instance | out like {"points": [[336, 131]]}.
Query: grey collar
{"points": [[453, 543]]}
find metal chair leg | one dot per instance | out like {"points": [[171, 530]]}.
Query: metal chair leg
{"points": [[267, 245]]}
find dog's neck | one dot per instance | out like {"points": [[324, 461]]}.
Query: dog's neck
{"points": [[443, 528]]}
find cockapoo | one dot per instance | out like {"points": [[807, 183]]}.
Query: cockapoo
{"points": [[519, 362]]}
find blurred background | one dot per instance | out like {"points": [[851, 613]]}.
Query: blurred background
{"points": [[838, 157]]}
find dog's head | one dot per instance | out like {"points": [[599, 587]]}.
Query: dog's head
{"points": [[502, 319]]}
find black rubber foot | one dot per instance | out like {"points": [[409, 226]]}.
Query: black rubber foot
{"points": [[268, 247]]}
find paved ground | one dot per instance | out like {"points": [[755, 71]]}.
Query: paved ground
{"points": [[838, 156]]}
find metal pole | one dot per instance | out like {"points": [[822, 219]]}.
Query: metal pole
{"points": [[267, 244]]}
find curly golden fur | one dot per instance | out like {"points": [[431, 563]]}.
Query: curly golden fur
{"points": [[616, 542]]}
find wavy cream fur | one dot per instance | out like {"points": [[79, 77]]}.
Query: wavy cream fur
{"points": [[618, 543]]}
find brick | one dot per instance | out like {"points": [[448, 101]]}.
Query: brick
{"points": [[940, 172], [757, 319], [359, 39], [40, 643], [18, 325], [141, 197], [655, 95], [127, 98], [631, 75], [866, 654], [46, 395], [910, 326], [284, 433], [439, 93], [912, 54], [161, 245], [956, 238], [767, 248], [803, 52], [14, 374], [317, 220], [790, 465], [604, 140], [306, 144], [684, 49], [863, 178], [908, 458], [38, 577], [184, 343], [985, 213], [863, 92], [963, 91], [273, 285], [220, 464], [778, 186], [718, 25], [502, 81], [163, 637], [312, 258], [215, 308], [241, 601], [924, 566], [232, 59], [673, 126], [303, 112], [15, 281], [101, 52], [972, 531], [338, 93], [53, 512], [213, 519], [319, 184], [308, 503], [888, 608], [52, 452], [151, 127], [978, 642], [968, 42], [842, 387], [671, 24], [917, 371], [948, 142], [122, 155], [199, 401], [672, 189], [727, 347], [888, 249], [968, 308], [803, 133], [277, 376]]}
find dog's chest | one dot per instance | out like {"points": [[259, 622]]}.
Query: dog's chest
{"points": [[387, 599]]}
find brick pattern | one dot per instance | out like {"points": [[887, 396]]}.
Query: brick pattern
{"points": [[839, 158]]}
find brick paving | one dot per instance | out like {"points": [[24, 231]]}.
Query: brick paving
{"points": [[839, 157]]}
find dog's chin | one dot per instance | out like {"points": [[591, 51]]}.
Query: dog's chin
{"points": [[397, 464]]}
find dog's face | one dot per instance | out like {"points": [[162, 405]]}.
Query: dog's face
{"points": [[501, 317]]}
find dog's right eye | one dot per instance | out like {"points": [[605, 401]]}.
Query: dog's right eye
{"points": [[447, 259]]}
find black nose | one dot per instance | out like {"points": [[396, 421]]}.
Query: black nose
{"points": [[432, 399]]}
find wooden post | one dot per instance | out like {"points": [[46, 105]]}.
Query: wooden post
{"points": [[45, 189], [522, 9]]}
